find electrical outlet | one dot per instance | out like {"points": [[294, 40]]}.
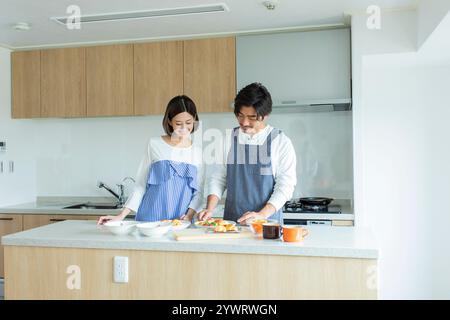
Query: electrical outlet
{"points": [[121, 269]]}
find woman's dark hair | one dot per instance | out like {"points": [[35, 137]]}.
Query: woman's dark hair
{"points": [[178, 105], [254, 95]]}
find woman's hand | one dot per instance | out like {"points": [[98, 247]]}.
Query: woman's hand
{"points": [[119, 217], [104, 219], [205, 214]]}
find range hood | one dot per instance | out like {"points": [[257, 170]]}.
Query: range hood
{"points": [[326, 105], [304, 71]]}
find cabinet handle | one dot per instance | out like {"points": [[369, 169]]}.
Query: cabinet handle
{"points": [[6, 219], [57, 220]]}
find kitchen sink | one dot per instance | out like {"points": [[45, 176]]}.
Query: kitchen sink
{"points": [[93, 206]]}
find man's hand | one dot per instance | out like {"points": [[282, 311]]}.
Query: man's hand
{"points": [[205, 214], [189, 215], [265, 212], [249, 216]]}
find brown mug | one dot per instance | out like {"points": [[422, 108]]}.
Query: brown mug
{"points": [[271, 231]]}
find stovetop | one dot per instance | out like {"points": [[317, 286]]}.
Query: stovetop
{"points": [[296, 207]]}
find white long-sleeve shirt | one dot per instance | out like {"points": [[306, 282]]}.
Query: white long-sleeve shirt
{"points": [[157, 149], [283, 160]]}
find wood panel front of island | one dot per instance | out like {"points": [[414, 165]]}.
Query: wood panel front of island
{"points": [[79, 273]]}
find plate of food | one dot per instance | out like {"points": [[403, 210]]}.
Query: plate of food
{"points": [[178, 224], [227, 228], [212, 223]]}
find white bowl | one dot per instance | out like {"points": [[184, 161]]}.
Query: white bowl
{"points": [[154, 229], [120, 228]]}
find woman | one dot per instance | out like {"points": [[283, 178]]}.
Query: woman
{"points": [[169, 182]]}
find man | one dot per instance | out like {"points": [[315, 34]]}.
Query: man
{"points": [[260, 174]]}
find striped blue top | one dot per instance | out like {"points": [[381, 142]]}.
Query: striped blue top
{"points": [[169, 181], [170, 188]]}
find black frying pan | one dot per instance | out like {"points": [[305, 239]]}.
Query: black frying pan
{"points": [[314, 201]]}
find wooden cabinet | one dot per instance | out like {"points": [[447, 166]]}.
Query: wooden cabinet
{"points": [[26, 84], [37, 220], [210, 73], [158, 75], [63, 82], [342, 223], [123, 80], [12, 223], [8, 224], [109, 74]]}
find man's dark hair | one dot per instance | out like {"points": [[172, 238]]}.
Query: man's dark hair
{"points": [[254, 95], [178, 105]]}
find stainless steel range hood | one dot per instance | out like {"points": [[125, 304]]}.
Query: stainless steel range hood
{"points": [[306, 71], [328, 105]]}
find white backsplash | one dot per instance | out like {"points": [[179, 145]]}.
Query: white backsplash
{"points": [[71, 155]]}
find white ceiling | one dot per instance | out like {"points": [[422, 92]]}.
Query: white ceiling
{"points": [[244, 15]]}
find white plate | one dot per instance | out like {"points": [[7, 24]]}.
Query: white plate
{"points": [[120, 228], [209, 227], [154, 229]]}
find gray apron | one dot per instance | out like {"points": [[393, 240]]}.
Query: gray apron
{"points": [[250, 180]]}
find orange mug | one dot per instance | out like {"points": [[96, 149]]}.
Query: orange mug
{"points": [[293, 233]]}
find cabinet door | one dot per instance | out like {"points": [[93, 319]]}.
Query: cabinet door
{"points": [[63, 82], [8, 224], [26, 84], [35, 220], [109, 74], [158, 75], [31, 221], [210, 73], [342, 223]]}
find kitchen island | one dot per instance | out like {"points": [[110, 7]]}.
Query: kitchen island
{"points": [[74, 260]]}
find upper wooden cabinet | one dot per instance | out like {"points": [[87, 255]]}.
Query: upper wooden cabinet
{"points": [[109, 74], [123, 80], [63, 82], [210, 73], [158, 75], [26, 84]]}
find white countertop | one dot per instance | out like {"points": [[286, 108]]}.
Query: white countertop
{"points": [[342, 242]]}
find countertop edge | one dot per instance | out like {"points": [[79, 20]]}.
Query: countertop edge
{"points": [[185, 247]]}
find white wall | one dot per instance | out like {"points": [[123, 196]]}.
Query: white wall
{"points": [[406, 170], [66, 157], [401, 158], [20, 186], [397, 34]]}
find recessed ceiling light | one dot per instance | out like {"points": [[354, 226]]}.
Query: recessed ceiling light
{"points": [[22, 26], [270, 4]]}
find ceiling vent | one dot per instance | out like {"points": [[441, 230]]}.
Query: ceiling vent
{"points": [[212, 8]]}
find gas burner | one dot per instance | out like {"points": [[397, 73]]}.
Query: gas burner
{"points": [[296, 207], [315, 208]]}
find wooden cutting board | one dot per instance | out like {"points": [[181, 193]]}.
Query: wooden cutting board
{"points": [[202, 234]]}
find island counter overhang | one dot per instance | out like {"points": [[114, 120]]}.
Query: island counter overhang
{"points": [[74, 260]]}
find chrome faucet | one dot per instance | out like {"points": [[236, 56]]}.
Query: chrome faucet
{"points": [[121, 196]]}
